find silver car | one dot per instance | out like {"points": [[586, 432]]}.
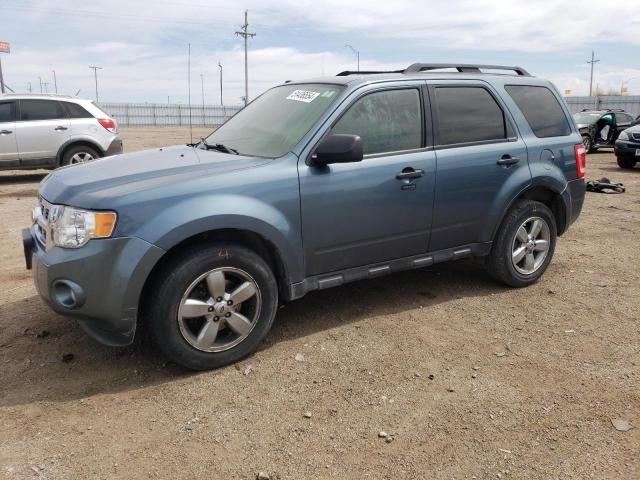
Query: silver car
{"points": [[48, 131]]}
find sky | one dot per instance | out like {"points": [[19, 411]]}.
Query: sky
{"points": [[142, 45]]}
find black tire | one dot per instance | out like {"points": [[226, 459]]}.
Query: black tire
{"points": [[588, 144], [499, 262], [626, 162], [173, 281], [79, 151]]}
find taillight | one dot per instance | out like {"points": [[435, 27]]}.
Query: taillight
{"points": [[108, 123], [580, 153]]}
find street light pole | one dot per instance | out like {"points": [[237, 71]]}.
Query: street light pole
{"points": [[55, 81], [95, 75], [357, 54], [40, 78], [220, 66], [29, 87]]}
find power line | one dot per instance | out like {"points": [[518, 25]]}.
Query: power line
{"points": [[246, 35]]}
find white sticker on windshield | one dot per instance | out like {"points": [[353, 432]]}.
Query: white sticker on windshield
{"points": [[305, 96]]}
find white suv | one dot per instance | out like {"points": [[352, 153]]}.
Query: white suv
{"points": [[47, 131]]}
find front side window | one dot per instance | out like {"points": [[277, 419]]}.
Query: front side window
{"points": [[31, 110], [6, 112], [468, 114], [541, 109], [388, 121], [275, 122]]}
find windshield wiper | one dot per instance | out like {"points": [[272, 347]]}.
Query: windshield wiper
{"points": [[218, 146]]}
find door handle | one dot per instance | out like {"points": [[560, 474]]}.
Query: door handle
{"points": [[409, 173], [508, 160], [60, 129], [5, 132]]}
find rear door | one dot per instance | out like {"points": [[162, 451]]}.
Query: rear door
{"points": [[481, 160], [42, 128], [8, 144]]}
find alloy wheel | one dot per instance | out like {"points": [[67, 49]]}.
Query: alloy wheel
{"points": [[530, 245], [219, 309]]}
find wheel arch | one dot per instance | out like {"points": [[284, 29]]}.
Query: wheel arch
{"points": [[550, 196], [75, 142], [246, 238]]}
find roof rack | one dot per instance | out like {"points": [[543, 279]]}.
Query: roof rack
{"points": [[366, 72], [463, 68], [460, 67]]}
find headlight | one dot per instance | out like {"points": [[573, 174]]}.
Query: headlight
{"points": [[623, 136], [72, 227]]}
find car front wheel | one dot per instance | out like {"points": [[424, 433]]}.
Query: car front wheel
{"points": [[212, 306], [626, 161], [524, 245]]}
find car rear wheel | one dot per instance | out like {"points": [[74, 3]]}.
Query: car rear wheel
{"points": [[524, 245], [212, 306], [79, 154], [626, 161]]}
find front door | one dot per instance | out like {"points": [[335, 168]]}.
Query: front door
{"points": [[481, 161], [8, 144], [42, 128], [356, 214]]}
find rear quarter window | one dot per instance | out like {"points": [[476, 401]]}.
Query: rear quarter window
{"points": [[541, 109], [75, 111]]}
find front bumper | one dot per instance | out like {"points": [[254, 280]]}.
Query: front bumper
{"points": [[626, 148], [99, 284]]}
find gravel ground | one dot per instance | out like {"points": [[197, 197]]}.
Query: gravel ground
{"points": [[467, 378]]}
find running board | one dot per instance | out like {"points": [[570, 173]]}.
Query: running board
{"points": [[334, 279]]}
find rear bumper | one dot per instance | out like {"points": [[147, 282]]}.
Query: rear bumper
{"points": [[626, 148], [99, 284], [114, 148], [573, 198]]}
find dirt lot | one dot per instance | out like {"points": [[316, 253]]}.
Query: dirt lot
{"points": [[471, 379]]}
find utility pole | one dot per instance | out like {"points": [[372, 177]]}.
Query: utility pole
{"points": [[55, 81], [95, 75], [29, 87], [45, 87], [593, 60], [220, 66], [244, 33], [40, 78], [357, 53]]}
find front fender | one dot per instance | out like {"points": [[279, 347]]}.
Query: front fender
{"points": [[192, 216]]}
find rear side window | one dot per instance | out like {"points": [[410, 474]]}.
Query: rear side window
{"points": [[6, 112], [623, 118], [40, 110], [468, 114], [75, 111], [388, 121], [541, 109]]}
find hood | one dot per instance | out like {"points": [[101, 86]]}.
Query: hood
{"points": [[634, 129], [87, 185]]}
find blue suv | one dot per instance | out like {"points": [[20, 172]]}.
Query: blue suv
{"points": [[314, 184]]}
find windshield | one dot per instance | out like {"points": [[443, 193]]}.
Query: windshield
{"points": [[584, 117], [275, 122]]}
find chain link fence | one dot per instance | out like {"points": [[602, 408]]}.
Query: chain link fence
{"points": [[177, 115], [168, 115], [628, 103]]}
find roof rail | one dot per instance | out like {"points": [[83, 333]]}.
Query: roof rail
{"points": [[463, 68], [346, 73], [422, 67]]}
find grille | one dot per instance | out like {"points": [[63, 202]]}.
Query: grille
{"points": [[636, 136], [41, 221]]}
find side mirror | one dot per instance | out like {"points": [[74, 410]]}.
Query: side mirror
{"points": [[338, 148]]}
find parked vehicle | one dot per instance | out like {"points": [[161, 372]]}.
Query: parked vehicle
{"points": [[627, 147], [600, 128], [312, 185], [47, 131]]}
